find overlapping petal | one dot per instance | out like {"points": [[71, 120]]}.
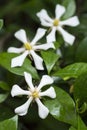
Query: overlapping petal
{"points": [[18, 61], [49, 92], [37, 60], [45, 23], [21, 35], [16, 90], [46, 80], [23, 109], [42, 110]]}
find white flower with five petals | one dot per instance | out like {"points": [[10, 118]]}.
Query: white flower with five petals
{"points": [[57, 25], [34, 93], [29, 48]]}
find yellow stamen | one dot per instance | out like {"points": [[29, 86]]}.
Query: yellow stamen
{"points": [[28, 46], [35, 94], [56, 22]]}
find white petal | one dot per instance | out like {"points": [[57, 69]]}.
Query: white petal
{"points": [[16, 90], [15, 50], [39, 34], [46, 80], [44, 15], [51, 37], [18, 61], [73, 21], [38, 61], [28, 79], [21, 35], [44, 46], [67, 37], [42, 110], [49, 92], [23, 109], [46, 23], [59, 11]]}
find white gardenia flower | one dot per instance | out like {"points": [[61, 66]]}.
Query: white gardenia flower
{"points": [[34, 93], [29, 48], [57, 25]]}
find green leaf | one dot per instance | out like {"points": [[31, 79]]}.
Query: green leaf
{"points": [[3, 97], [5, 61], [4, 86], [73, 70], [62, 107], [82, 28], [10, 124], [80, 88], [72, 128], [50, 58], [5, 112], [81, 125], [70, 8], [1, 23], [82, 51]]}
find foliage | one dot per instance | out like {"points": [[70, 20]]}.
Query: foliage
{"points": [[68, 111]]}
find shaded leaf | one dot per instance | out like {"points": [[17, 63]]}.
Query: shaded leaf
{"points": [[80, 88], [5, 112], [82, 51], [4, 86]]}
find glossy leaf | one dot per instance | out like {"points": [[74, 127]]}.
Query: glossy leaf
{"points": [[10, 124], [73, 70], [50, 59], [70, 8], [6, 58], [62, 107]]}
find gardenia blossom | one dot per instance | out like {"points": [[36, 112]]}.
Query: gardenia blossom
{"points": [[29, 48], [34, 93], [57, 25]]}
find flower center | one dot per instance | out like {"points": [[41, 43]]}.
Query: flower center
{"points": [[35, 94], [56, 22], [28, 46]]}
